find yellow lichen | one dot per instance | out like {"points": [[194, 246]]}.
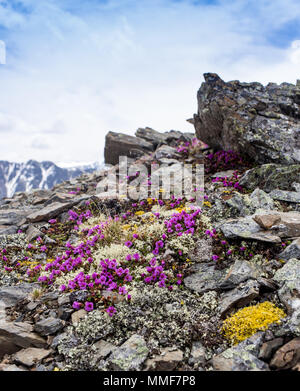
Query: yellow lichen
{"points": [[249, 320]]}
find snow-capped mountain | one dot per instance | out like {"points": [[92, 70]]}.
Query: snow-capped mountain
{"points": [[16, 177]]}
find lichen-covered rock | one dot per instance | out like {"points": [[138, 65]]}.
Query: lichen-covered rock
{"points": [[240, 271], [288, 277], [271, 176], [287, 196], [206, 278], [261, 122], [291, 251], [131, 355], [242, 357], [246, 228], [244, 205]]}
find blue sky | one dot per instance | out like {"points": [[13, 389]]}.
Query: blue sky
{"points": [[77, 69]]}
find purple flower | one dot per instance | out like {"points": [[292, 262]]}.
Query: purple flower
{"points": [[76, 305], [215, 257], [89, 306], [111, 310], [128, 243], [52, 221], [136, 256]]}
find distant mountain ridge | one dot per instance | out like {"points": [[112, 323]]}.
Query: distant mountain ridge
{"points": [[15, 177]]}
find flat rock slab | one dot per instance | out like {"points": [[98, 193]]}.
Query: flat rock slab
{"points": [[31, 356], [246, 228], [48, 326], [49, 212], [287, 196], [11, 295], [21, 334], [168, 360]]}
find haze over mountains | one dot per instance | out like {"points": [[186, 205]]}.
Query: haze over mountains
{"points": [[15, 177]]}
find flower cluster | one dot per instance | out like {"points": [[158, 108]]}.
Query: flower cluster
{"points": [[182, 223], [222, 160], [247, 321], [229, 182]]}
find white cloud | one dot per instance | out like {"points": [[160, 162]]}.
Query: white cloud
{"points": [[75, 72]]}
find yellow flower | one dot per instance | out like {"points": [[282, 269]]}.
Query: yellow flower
{"points": [[247, 321], [207, 203], [139, 213]]}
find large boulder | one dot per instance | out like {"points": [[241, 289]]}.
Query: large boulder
{"points": [[261, 122]]}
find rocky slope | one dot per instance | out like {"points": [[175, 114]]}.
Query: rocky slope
{"points": [[23, 177], [91, 281]]}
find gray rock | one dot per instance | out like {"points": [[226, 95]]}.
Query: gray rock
{"points": [[20, 334], [240, 271], [242, 357], [198, 354], [103, 349], [206, 278], [288, 277], [119, 144], [271, 176], [259, 122], [238, 297], [246, 228], [244, 205], [166, 151], [11, 295], [287, 196], [291, 251], [131, 355], [48, 326], [33, 233], [79, 295], [49, 212], [8, 230]]}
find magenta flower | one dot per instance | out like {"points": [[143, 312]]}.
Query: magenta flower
{"points": [[111, 310], [76, 305], [89, 306], [128, 243], [215, 257]]}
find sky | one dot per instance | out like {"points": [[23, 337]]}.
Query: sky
{"points": [[76, 69]]}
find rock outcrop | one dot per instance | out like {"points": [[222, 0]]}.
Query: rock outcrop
{"points": [[261, 122]]}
